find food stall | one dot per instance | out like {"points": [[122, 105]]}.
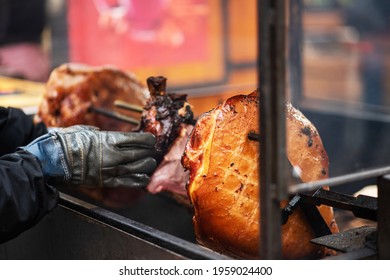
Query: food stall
{"points": [[308, 55]]}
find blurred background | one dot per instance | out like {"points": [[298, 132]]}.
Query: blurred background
{"points": [[338, 57]]}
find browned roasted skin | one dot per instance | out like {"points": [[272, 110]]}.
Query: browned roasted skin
{"points": [[72, 89], [223, 185]]}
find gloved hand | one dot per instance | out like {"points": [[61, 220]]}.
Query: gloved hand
{"points": [[86, 156]]}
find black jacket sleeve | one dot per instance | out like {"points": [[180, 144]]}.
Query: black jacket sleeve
{"points": [[17, 129], [25, 197]]}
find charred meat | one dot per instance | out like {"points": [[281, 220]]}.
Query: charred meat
{"points": [[164, 114]]}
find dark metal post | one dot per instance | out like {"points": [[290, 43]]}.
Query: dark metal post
{"points": [[272, 84], [383, 218], [295, 45]]}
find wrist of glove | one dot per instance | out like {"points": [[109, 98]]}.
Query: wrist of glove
{"points": [[86, 156]]}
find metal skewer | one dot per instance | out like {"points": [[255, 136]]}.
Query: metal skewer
{"points": [[128, 106], [114, 115]]}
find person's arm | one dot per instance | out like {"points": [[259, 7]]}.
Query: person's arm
{"points": [[78, 155], [24, 195], [17, 129], [85, 156]]}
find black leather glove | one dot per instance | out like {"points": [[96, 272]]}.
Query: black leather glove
{"points": [[83, 155]]}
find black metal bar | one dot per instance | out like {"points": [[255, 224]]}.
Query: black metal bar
{"points": [[384, 218], [295, 68], [271, 79], [362, 206], [315, 218], [144, 232], [310, 210]]}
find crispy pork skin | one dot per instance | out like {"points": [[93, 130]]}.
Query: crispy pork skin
{"points": [[223, 184], [72, 89]]}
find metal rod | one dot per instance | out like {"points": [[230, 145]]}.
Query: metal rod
{"points": [[362, 206], [335, 181], [128, 106], [272, 84], [383, 245], [114, 115], [295, 67]]}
